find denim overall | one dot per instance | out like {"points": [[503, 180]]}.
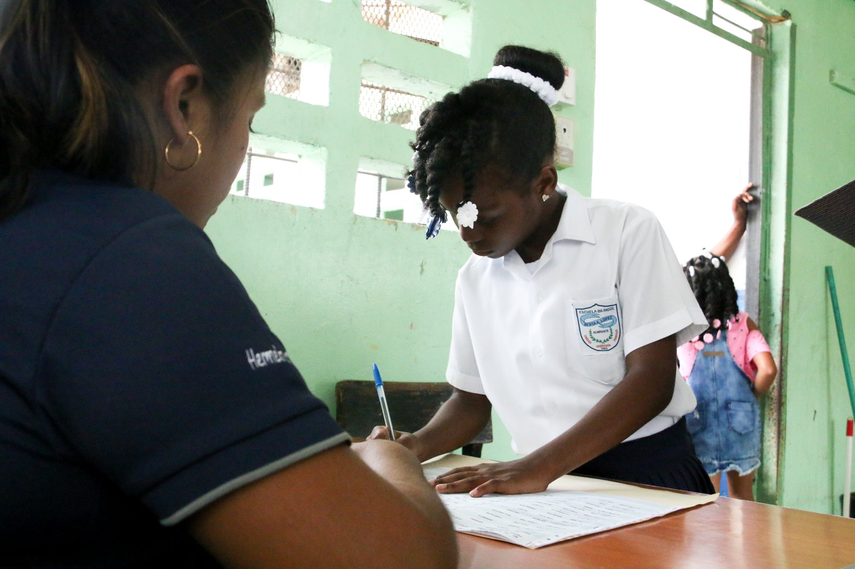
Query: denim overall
{"points": [[725, 426]]}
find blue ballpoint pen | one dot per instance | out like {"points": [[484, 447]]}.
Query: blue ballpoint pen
{"points": [[384, 406]]}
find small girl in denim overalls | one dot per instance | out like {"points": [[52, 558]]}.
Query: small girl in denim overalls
{"points": [[729, 367]]}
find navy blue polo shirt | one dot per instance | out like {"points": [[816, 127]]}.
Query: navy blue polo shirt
{"points": [[138, 381]]}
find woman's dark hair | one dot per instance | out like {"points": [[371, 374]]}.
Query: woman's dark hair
{"points": [[710, 281], [71, 72], [490, 122]]}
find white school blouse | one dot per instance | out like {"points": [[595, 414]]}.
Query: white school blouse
{"points": [[546, 342]]}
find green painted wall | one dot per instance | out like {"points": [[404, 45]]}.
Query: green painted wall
{"points": [[344, 291]]}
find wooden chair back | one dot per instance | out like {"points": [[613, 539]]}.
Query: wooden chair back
{"points": [[411, 404]]}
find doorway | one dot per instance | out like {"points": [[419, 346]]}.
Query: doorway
{"points": [[678, 129]]}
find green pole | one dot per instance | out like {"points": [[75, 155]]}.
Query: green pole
{"points": [[829, 276]]}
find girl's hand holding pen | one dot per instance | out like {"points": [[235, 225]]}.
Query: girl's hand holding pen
{"points": [[515, 477], [406, 439]]}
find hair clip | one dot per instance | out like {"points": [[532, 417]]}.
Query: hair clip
{"points": [[467, 215], [692, 271], [715, 262], [433, 226]]}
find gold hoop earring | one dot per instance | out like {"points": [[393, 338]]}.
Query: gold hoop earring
{"points": [[195, 160]]}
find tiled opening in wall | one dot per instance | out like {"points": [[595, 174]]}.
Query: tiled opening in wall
{"points": [[284, 76], [381, 191], [443, 23], [300, 70], [282, 171], [404, 19], [391, 96], [384, 104]]}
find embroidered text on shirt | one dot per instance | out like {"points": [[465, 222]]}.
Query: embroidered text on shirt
{"points": [[265, 358]]}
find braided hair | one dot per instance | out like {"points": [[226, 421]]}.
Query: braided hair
{"points": [[714, 290], [490, 122]]}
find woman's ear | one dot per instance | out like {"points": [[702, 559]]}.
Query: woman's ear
{"points": [[182, 101]]}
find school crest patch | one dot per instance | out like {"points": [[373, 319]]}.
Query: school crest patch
{"points": [[599, 326]]}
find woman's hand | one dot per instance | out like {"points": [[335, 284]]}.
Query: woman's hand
{"points": [[408, 440], [521, 476]]}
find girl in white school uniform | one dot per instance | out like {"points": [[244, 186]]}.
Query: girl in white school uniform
{"points": [[568, 314]]}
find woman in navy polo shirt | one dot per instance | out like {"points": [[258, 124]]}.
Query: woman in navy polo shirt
{"points": [[148, 415]]}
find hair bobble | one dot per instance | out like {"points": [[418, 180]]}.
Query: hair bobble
{"points": [[543, 89]]}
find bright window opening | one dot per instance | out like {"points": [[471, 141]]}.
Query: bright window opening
{"points": [[395, 97], [403, 19], [300, 70], [443, 23], [285, 177], [384, 104], [284, 76], [381, 192]]}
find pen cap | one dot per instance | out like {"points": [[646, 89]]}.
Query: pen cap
{"points": [[377, 381]]}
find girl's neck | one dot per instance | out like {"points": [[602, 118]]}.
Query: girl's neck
{"points": [[531, 249]]}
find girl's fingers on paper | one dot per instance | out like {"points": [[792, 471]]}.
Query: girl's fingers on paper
{"points": [[509, 484], [458, 480], [454, 475], [514, 477], [490, 487], [459, 486], [480, 484]]}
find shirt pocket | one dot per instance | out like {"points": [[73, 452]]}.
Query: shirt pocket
{"points": [[594, 333]]}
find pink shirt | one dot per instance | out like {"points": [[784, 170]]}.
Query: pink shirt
{"points": [[743, 344]]}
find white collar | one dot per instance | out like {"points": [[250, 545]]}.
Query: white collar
{"points": [[574, 225]]}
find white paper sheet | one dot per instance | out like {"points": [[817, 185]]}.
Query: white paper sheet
{"points": [[573, 506], [535, 520]]}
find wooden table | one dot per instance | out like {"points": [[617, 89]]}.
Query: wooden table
{"points": [[726, 533]]}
